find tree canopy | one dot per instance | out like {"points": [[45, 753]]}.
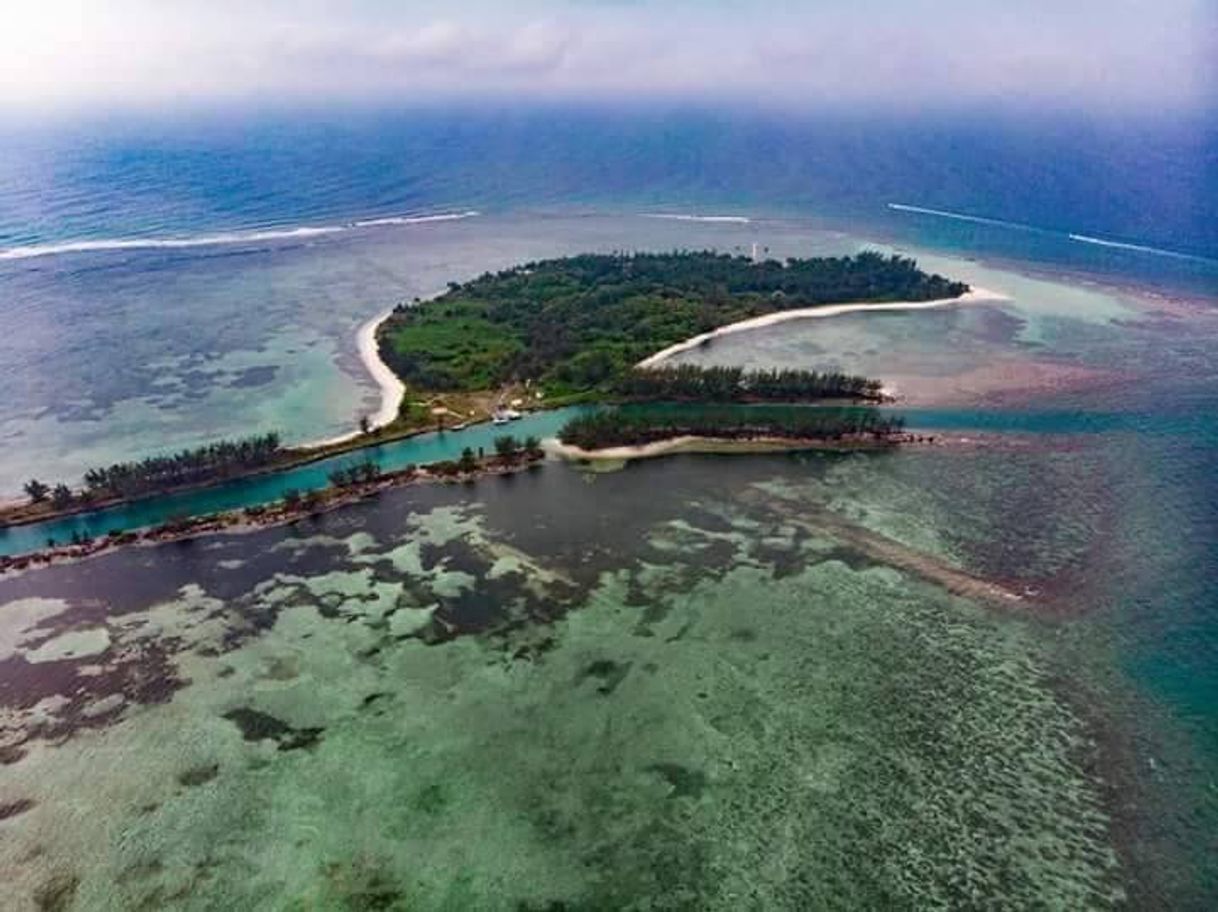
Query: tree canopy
{"points": [[206, 463], [579, 323], [636, 426], [735, 384]]}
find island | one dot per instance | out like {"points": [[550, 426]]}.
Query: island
{"points": [[592, 328], [639, 432], [569, 329]]}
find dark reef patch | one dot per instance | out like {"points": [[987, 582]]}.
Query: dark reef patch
{"points": [[685, 782], [57, 894], [16, 808], [254, 376], [199, 775], [260, 726], [608, 672]]}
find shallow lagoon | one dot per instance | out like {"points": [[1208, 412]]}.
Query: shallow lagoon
{"points": [[670, 686], [659, 688], [663, 687]]}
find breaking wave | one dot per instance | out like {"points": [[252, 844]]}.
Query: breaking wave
{"points": [[1138, 248], [211, 240], [1080, 238], [721, 219], [964, 217]]}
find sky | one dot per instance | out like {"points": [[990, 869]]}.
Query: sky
{"points": [[1121, 55]]}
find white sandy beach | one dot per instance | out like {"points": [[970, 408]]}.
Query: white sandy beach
{"points": [[974, 296], [687, 444], [392, 389]]}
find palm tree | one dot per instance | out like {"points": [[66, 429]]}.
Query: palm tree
{"points": [[37, 490], [61, 497]]}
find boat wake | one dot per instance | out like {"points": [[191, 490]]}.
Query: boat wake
{"points": [[230, 237]]}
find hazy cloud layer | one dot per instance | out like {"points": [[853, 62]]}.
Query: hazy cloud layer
{"points": [[1110, 53]]}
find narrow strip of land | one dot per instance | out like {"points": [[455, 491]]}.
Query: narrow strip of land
{"points": [[693, 444]]}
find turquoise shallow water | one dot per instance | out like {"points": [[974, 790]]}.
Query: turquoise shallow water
{"points": [[129, 352], [430, 447], [635, 688], [433, 447]]}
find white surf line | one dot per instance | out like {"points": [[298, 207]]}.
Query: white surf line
{"points": [[1138, 248], [223, 238], [974, 296], [713, 219], [416, 219], [392, 389], [1080, 238], [964, 217]]}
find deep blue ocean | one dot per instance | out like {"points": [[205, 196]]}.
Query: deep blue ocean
{"points": [[1132, 199]]}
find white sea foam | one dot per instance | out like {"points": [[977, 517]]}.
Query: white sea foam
{"points": [[1139, 248], [417, 219], [1081, 238], [720, 219], [212, 240], [963, 217]]}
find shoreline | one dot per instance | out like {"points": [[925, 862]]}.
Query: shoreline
{"points": [[972, 296], [255, 518], [393, 390], [692, 444]]}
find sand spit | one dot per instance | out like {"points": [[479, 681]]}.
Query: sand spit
{"points": [[918, 563], [693, 444], [975, 296], [392, 389]]}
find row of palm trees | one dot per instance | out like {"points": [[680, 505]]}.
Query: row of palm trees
{"points": [[735, 384], [356, 473], [160, 473], [639, 426]]}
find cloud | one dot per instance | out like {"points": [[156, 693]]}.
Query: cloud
{"points": [[886, 53]]}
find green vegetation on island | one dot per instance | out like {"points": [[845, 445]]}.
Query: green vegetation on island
{"points": [[639, 426], [735, 384], [212, 462], [578, 325], [557, 331], [160, 474]]}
